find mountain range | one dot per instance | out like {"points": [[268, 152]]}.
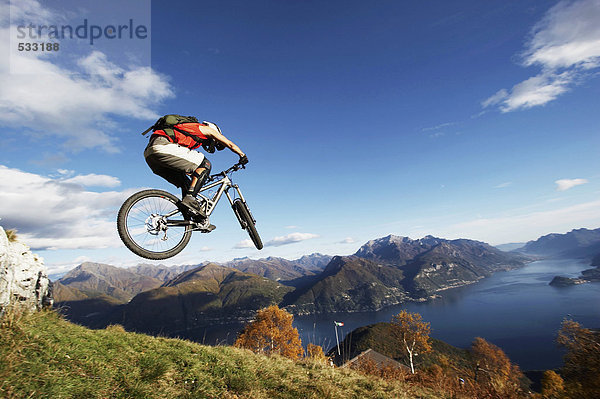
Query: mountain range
{"points": [[280, 269], [383, 272], [161, 272], [393, 269], [91, 291], [197, 297], [576, 244]]}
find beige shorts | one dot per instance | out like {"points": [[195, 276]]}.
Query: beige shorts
{"points": [[165, 154]]}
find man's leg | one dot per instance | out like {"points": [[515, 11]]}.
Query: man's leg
{"points": [[175, 177], [199, 177], [181, 161]]}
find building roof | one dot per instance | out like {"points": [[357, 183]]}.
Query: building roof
{"points": [[378, 358]]}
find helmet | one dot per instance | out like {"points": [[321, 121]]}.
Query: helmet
{"points": [[211, 144], [213, 125]]}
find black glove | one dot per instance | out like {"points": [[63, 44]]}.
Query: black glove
{"points": [[243, 160]]}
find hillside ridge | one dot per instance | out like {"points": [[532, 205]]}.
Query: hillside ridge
{"points": [[54, 358]]}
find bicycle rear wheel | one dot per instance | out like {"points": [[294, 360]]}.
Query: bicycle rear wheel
{"points": [[151, 225], [247, 222]]}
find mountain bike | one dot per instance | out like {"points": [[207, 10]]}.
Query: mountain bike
{"points": [[155, 225]]}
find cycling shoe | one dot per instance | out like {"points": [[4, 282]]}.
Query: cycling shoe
{"points": [[193, 206]]}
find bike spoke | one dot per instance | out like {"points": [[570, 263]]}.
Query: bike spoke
{"points": [[147, 227]]}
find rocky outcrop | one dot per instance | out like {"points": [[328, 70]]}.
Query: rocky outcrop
{"points": [[586, 277], [591, 274], [561, 281], [24, 283]]}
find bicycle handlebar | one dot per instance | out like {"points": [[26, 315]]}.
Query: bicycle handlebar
{"points": [[234, 168]]}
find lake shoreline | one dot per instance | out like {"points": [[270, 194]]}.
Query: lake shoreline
{"points": [[516, 310]]}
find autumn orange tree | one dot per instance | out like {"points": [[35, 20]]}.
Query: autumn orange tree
{"points": [[493, 370], [271, 332], [581, 370], [553, 386], [412, 333], [315, 352]]}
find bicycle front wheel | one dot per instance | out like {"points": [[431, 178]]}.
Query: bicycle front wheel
{"points": [[151, 225], [247, 222]]}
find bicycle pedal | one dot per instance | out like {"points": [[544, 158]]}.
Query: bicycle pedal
{"points": [[204, 226], [208, 229]]}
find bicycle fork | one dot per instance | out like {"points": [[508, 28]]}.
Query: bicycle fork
{"points": [[243, 200]]}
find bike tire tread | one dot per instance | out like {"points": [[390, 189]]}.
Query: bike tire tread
{"points": [[129, 242], [241, 209]]}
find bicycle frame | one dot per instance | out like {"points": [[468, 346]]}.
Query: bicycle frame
{"points": [[146, 217], [226, 184], [209, 204]]}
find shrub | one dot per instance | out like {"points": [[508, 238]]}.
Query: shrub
{"points": [[115, 328], [553, 385], [11, 234], [315, 352], [581, 371], [271, 332]]}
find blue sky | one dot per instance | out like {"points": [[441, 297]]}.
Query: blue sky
{"points": [[360, 119]]}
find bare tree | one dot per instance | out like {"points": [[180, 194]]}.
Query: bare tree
{"points": [[412, 333]]}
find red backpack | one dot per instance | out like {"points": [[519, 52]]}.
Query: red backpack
{"points": [[168, 124]]}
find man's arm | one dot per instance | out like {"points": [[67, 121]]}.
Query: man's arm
{"points": [[215, 134]]}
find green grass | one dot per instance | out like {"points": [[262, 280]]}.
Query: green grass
{"points": [[44, 356]]}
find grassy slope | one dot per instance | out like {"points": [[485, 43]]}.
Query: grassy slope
{"points": [[379, 338], [44, 356]]}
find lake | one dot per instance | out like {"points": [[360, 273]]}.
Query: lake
{"points": [[516, 310]]}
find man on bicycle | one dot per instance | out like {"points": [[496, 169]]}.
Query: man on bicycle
{"points": [[170, 154]]}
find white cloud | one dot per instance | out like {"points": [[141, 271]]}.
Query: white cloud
{"points": [[81, 259], [25, 9], [437, 135], [568, 35], [51, 213], [244, 244], [438, 130], [537, 90], [291, 227], [348, 240], [438, 127], [94, 180], [290, 239], [496, 98], [565, 184], [74, 103], [524, 227], [565, 44], [58, 270], [503, 185]]}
